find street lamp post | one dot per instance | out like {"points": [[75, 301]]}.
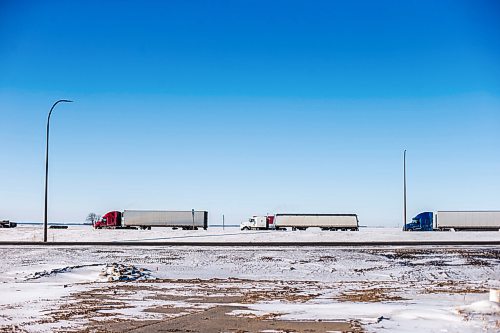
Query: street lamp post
{"points": [[404, 190], [47, 167]]}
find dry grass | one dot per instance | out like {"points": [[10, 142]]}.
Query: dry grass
{"points": [[370, 295]]}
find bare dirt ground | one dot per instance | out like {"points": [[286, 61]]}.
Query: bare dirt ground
{"points": [[206, 306], [211, 321]]}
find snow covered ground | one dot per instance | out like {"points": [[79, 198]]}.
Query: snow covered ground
{"points": [[215, 234], [381, 289]]}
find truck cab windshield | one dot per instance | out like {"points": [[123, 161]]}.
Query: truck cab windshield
{"points": [[415, 221]]}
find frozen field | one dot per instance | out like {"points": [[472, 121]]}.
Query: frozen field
{"points": [[200, 289], [87, 233]]}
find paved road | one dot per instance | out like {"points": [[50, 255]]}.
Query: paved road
{"points": [[259, 244]]}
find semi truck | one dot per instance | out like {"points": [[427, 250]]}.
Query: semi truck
{"points": [[258, 223], [302, 222], [455, 221], [146, 219]]}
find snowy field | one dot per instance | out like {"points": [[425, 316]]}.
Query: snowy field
{"points": [[141, 289], [216, 234]]}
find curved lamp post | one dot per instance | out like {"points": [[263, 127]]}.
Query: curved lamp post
{"points": [[47, 167]]}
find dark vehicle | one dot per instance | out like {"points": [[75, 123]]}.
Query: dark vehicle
{"points": [[7, 224]]}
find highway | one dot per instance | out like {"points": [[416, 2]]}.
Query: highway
{"points": [[259, 244]]}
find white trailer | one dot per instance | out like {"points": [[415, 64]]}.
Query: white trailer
{"points": [[145, 219], [324, 221], [468, 220]]}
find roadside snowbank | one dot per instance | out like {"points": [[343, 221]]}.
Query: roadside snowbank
{"points": [[87, 233]]}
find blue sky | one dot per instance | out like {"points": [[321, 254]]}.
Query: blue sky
{"points": [[248, 107]]}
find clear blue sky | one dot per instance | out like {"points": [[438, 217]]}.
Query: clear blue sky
{"points": [[248, 107]]}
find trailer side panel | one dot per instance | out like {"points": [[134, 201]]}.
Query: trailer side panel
{"points": [[468, 220], [150, 218], [316, 220]]}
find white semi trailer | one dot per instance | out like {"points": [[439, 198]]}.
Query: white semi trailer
{"points": [[468, 220], [324, 221], [160, 218], [456, 221], [145, 219]]}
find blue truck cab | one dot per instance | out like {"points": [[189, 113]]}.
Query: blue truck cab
{"points": [[421, 222]]}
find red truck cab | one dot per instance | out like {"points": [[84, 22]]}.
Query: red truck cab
{"points": [[270, 221], [109, 220]]}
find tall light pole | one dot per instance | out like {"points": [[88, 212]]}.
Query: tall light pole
{"points": [[47, 167], [404, 190]]}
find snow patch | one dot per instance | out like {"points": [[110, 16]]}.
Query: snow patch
{"points": [[389, 317], [481, 307]]}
